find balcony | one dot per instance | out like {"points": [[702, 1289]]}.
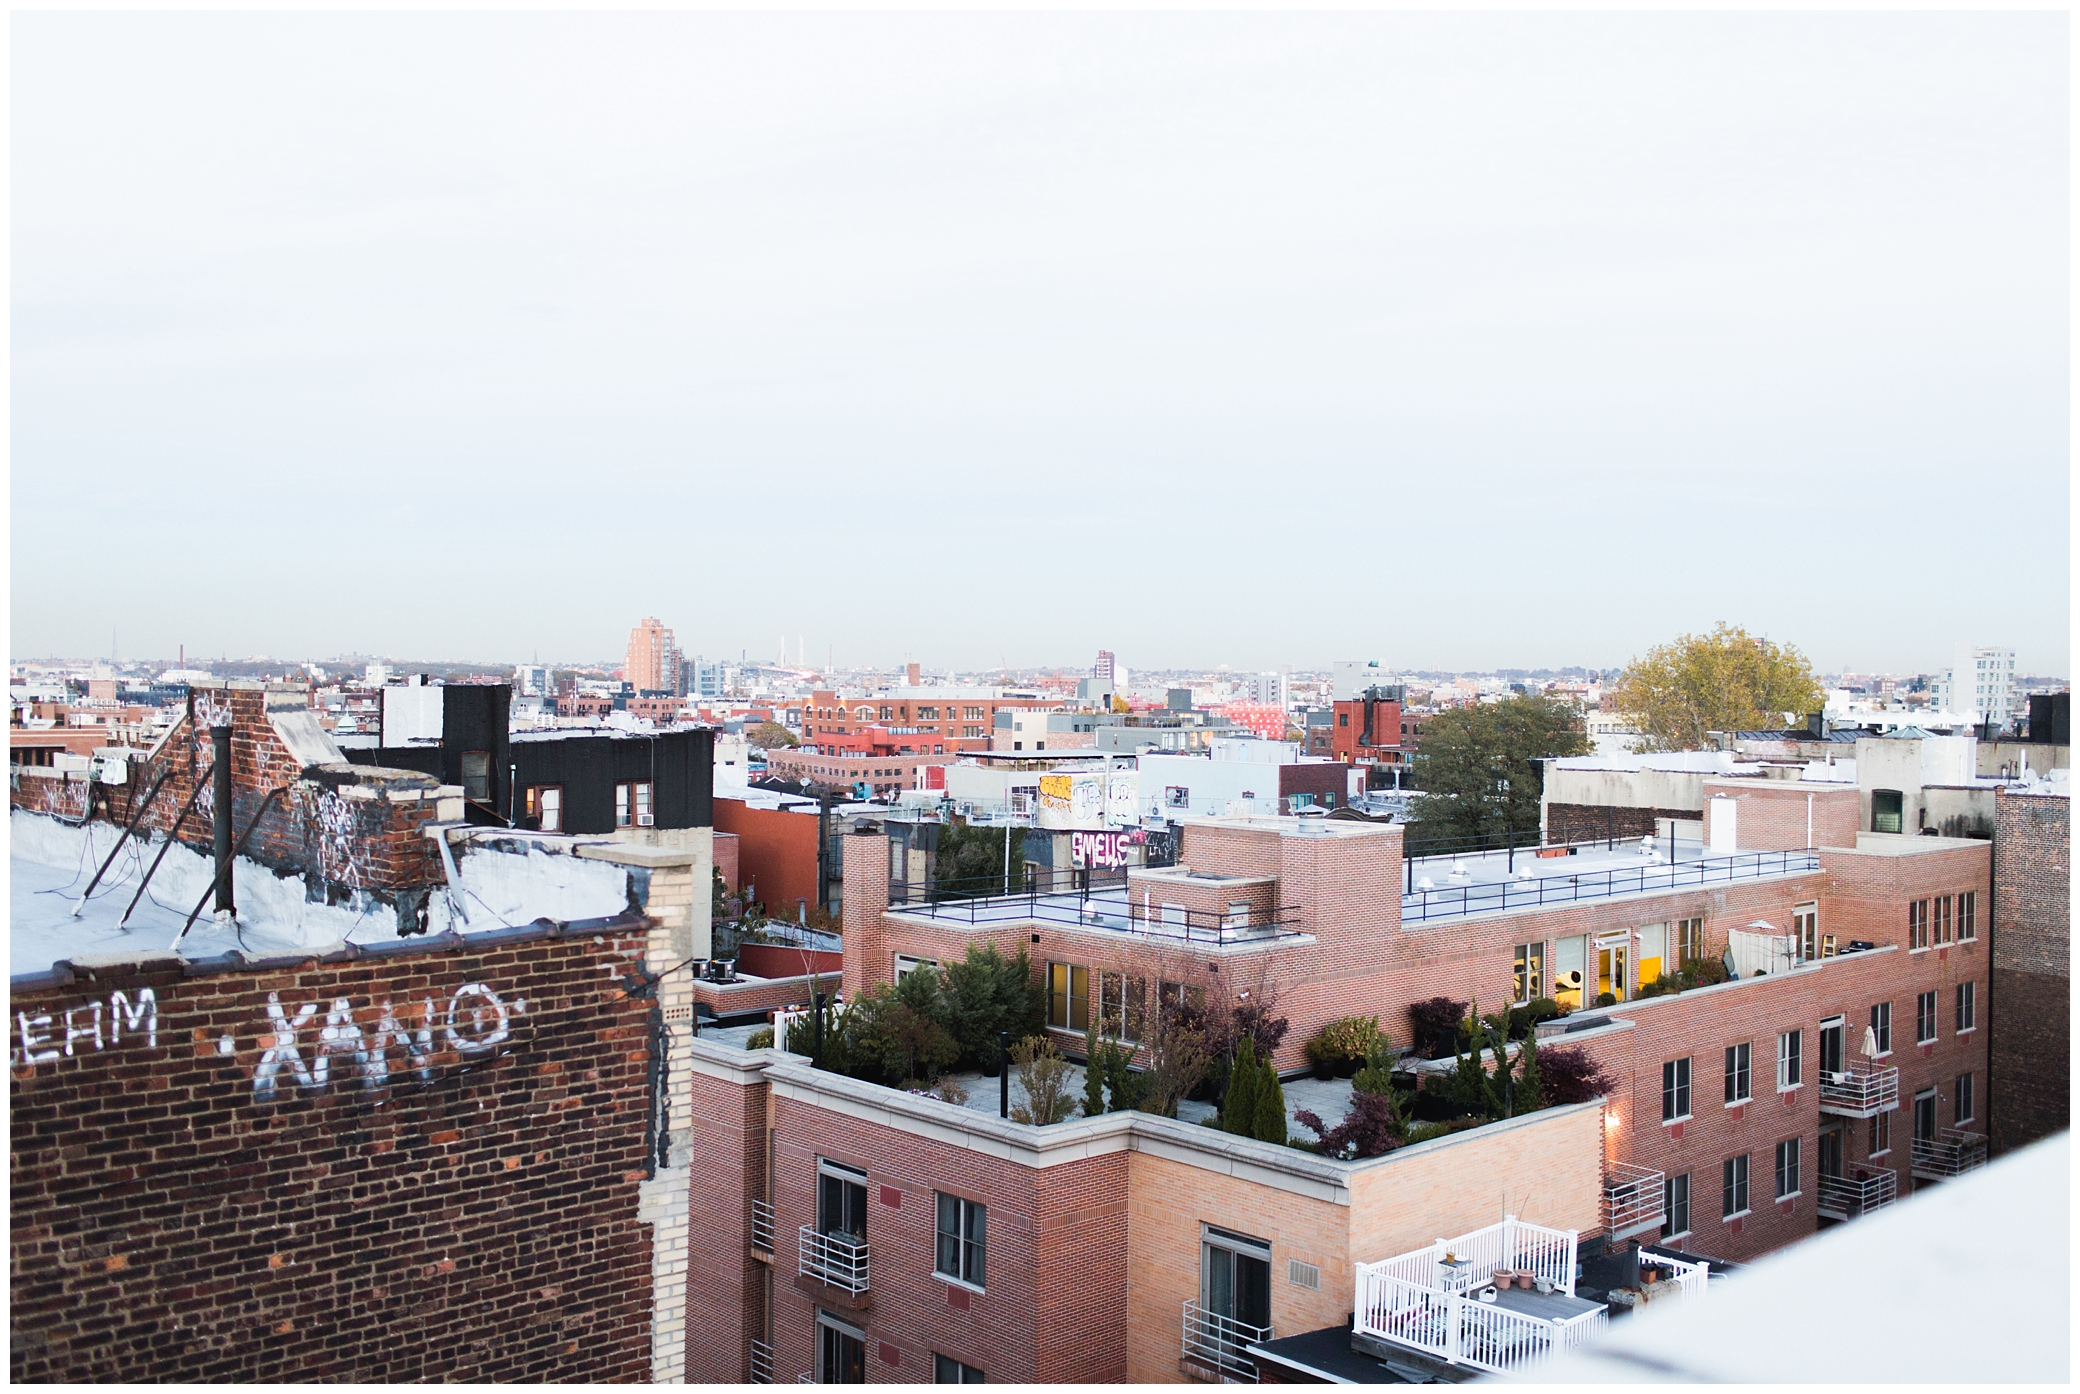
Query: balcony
{"points": [[836, 1259], [1846, 1197], [1949, 1153], [761, 1363], [1634, 1200], [1438, 1301], [1090, 900], [762, 1226], [1221, 1343], [1859, 1093]]}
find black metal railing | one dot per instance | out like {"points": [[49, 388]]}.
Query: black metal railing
{"points": [[1454, 902], [1021, 882], [1118, 912]]}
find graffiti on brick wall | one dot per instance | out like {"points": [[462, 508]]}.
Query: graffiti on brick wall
{"points": [[298, 1045], [209, 712], [333, 827], [474, 1021], [46, 1039]]}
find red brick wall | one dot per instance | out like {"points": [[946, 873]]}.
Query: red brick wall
{"points": [[1054, 1302], [727, 855], [2031, 1005], [776, 852], [725, 1303], [470, 1216], [1772, 814], [785, 961]]}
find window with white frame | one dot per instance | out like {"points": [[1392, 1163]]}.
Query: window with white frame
{"points": [[1733, 1187], [1925, 1018], [1529, 972], [1917, 924], [1967, 916], [1068, 996], [906, 964], [1881, 1135], [1787, 1169], [1675, 1090], [1690, 939], [1961, 1110], [1738, 1079], [1790, 1060], [841, 1351], [1967, 1013], [1941, 915], [1881, 1026], [963, 1229]]}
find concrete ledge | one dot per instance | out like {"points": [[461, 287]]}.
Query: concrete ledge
{"points": [[635, 854]]}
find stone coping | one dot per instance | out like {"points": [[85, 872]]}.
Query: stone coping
{"points": [[1282, 1168]]}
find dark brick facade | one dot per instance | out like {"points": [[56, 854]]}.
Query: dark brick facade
{"points": [[415, 1163], [2032, 968], [1581, 822]]}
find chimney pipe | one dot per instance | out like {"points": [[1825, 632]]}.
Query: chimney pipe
{"points": [[220, 776]]}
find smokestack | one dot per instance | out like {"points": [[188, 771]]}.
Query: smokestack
{"points": [[220, 777]]}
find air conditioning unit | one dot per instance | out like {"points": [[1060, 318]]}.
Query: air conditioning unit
{"points": [[110, 767], [645, 820]]}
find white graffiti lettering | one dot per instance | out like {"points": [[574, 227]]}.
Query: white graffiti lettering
{"points": [[489, 1008], [341, 1037], [418, 1049], [283, 1051], [74, 1033], [147, 1011], [32, 1027]]}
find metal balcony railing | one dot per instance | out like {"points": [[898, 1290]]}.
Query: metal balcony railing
{"points": [[1634, 1200], [1859, 1092], [1221, 1342], [837, 1259], [1455, 902], [761, 1363], [1948, 1153], [762, 1225], [1111, 908], [1846, 1197]]}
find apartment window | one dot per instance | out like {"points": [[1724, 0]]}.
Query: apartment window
{"points": [[1343, 718], [632, 805], [1182, 997], [476, 775], [1941, 906], [1967, 1007], [1675, 1205], [1787, 1169], [1967, 916], [1738, 1079], [963, 1225], [1068, 996], [1881, 1134], [1917, 924], [1790, 1060], [1675, 1089], [1689, 940], [1961, 1100], [545, 806], [971, 714], [1122, 1005], [1887, 810], [1530, 971], [1925, 1018], [1733, 1187], [947, 1370], [1881, 1026], [841, 1351]]}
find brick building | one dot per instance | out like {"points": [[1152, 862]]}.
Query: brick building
{"points": [[2031, 953], [653, 660]]}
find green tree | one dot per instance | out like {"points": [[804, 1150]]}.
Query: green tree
{"points": [[1727, 680], [970, 861], [1271, 1106], [1479, 771], [1529, 1090], [1239, 1109], [769, 735], [1094, 1052], [988, 994]]}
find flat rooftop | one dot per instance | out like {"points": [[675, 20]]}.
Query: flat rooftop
{"points": [[1495, 883]]}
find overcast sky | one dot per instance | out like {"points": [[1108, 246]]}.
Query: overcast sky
{"points": [[1462, 341]]}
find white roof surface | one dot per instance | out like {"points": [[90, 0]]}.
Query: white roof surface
{"points": [[1841, 1308]]}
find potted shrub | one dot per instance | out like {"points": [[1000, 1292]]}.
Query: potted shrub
{"points": [[1318, 1056], [1348, 1040]]}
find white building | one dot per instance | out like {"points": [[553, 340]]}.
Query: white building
{"points": [[1982, 684], [1349, 677]]}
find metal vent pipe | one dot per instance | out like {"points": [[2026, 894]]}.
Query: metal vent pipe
{"points": [[220, 774]]}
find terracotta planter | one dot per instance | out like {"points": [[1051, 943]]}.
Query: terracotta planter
{"points": [[1524, 1281]]}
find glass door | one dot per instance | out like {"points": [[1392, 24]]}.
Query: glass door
{"points": [[841, 1202], [1925, 1116], [1236, 1288], [841, 1353], [1830, 1047], [1611, 965]]}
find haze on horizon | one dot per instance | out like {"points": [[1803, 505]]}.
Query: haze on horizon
{"points": [[1458, 341]]}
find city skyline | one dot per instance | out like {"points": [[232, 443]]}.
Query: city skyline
{"points": [[1554, 335]]}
